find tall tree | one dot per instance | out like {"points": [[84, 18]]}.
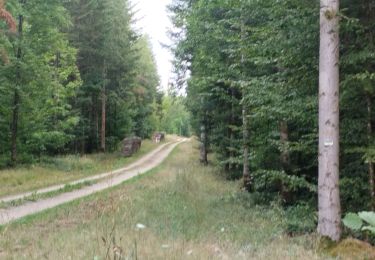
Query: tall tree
{"points": [[16, 95], [329, 148]]}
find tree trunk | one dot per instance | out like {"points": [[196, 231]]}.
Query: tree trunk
{"points": [[370, 15], [96, 122], [328, 187], [247, 180], [285, 159], [15, 117], [16, 97], [231, 136], [370, 163], [284, 139], [102, 131], [203, 145], [104, 113]]}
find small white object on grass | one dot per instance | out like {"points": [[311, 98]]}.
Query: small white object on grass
{"points": [[140, 226], [190, 252], [222, 229], [165, 246]]}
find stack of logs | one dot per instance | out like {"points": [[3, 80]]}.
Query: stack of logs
{"points": [[158, 137], [131, 145]]}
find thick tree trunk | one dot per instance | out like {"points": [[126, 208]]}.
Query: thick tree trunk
{"points": [[16, 97], [203, 145], [328, 187], [370, 163], [247, 180]]}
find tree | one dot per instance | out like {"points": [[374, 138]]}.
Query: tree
{"points": [[328, 187], [107, 58], [16, 96], [39, 77]]}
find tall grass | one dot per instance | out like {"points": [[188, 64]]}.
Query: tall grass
{"points": [[180, 210]]}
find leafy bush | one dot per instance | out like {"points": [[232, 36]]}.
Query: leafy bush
{"points": [[363, 221], [265, 177], [4, 161]]}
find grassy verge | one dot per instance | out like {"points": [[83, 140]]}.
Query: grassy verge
{"points": [[181, 210], [63, 169]]}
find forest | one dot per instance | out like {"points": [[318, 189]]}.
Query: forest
{"points": [[252, 70], [77, 77], [276, 98]]}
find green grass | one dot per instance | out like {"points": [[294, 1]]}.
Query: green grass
{"points": [[63, 169], [189, 211]]}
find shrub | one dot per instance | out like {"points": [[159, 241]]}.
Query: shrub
{"points": [[363, 221], [301, 218]]}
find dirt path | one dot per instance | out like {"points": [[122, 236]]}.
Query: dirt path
{"points": [[114, 178], [91, 178]]}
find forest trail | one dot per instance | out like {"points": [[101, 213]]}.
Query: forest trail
{"points": [[111, 179]]}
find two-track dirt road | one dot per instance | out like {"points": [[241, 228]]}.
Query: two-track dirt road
{"points": [[110, 179]]}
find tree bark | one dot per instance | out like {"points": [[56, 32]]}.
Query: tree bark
{"points": [[95, 123], [370, 162], [16, 96], [284, 139], [370, 15], [231, 136], [93, 142], [203, 145], [285, 159], [15, 117], [328, 186], [247, 179], [102, 131], [104, 112]]}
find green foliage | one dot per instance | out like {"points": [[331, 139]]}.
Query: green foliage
{"points": [[45, 76], [300, 218], [353, 221], [363, 221], [258, 56], [175, 119], [70, 55], [291, 183], [263, 57]]}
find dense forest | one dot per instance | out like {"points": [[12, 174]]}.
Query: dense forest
{"points": [[279, 93], [76, 77], [252, 71]]}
